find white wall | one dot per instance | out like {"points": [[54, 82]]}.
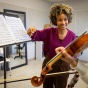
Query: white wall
{"points": [[32, 4], [76, 4], [36, 15]]}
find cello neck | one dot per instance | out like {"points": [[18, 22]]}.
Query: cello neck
{"points": [[54, 59]]}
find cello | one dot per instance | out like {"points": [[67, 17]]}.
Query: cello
{"points": [[74, 48]]}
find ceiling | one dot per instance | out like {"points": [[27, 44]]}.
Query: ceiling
{"points": [[56, 0]]}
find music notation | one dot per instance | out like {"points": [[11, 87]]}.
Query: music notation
{"points": [[12, 30]]}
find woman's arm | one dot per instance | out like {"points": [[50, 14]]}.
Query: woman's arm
{"points": [[68, 58], [77, 64], [37, 35]]}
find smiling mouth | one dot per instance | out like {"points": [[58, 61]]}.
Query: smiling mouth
{"points": [[63, 26]]}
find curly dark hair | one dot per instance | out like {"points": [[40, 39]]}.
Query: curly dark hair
{"points": [[58, 9]]}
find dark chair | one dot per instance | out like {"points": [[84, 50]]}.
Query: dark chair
{"points": [[19, 48]]}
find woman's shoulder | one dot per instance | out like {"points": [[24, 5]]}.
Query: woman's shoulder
{"points": [[52, 29], [71, 32]]}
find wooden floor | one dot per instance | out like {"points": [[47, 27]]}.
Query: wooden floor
{"points": [[32, 69]]}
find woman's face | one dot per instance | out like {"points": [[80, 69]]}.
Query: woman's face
{"points": [[62, 21]]}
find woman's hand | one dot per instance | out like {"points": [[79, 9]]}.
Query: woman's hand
{"points": [[66, 55], [31, 31], [68, 58]]}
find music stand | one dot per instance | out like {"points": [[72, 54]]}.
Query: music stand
{"points": [[12, 32]]}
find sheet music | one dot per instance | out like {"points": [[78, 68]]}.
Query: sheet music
{"points": [[5, 36], [17, 29]]}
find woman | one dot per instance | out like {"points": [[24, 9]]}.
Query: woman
{"points": [[60, 16]]}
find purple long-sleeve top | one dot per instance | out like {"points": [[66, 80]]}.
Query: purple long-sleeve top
{"points": [[51, 39]]}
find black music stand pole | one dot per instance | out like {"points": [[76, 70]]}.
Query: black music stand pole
{"points": [[4, 66]]}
